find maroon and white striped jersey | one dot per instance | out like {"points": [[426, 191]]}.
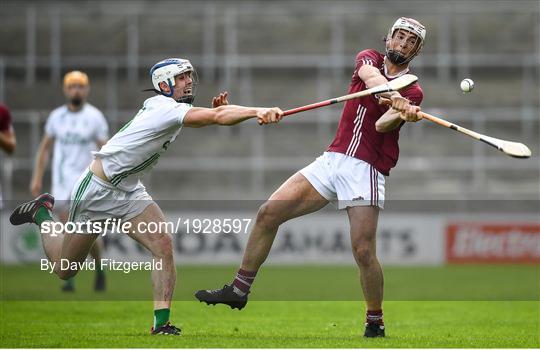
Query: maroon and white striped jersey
{"points": [[356, 135]]}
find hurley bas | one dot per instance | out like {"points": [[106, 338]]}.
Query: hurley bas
{"points": [[110, 264]]}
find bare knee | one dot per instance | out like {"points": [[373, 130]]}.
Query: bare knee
{"points": [[364, 254], [269, 215], [162, 246]]}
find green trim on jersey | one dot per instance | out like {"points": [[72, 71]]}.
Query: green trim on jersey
{"points": [[131, 121], [118, 178], [78, 195], [125, 126]]}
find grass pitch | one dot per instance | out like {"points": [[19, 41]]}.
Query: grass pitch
{"points": [[35, 314]]}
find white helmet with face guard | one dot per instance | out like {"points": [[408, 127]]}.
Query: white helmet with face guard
{"points": [[166, 70], [412, 26]]}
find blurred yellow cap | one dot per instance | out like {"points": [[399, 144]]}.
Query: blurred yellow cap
{"points": [[76, 77]]}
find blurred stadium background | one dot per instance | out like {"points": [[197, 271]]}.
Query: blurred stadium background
{"points": [[283, 53], [451, 200], [287, 54]]}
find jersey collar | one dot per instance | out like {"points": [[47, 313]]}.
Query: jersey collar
{"points": [[405, 71]]}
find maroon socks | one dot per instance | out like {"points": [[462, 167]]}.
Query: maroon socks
{"points": [[374, 317], [242, 282]]}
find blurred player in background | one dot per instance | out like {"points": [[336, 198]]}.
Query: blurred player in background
{"points": [[75, 129], [111, 188], [351, 172], [8, 141]]}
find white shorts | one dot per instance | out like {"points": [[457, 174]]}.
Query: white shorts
{"points": [[93, 199], [349, 181]]}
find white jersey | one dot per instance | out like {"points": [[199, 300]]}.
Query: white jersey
{"points": [[137, 146], [75, 137]]}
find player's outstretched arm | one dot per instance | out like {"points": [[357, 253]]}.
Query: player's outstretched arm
{"points": [[198, 117]]}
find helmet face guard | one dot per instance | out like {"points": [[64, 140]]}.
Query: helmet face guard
{"points": [[166, 70], [412, 26]]}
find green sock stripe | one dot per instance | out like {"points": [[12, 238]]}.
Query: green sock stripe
{"points": [[42, 214], [161, 317]]}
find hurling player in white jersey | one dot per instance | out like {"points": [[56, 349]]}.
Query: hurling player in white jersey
{"points": [[75, 129], [111, 187]]}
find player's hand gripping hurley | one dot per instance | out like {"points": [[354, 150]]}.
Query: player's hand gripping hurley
{"points": [[513, 149]]}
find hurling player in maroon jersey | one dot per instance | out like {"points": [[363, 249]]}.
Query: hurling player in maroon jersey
{"points": [[7, 134], [8, 140], [350, 173]]}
